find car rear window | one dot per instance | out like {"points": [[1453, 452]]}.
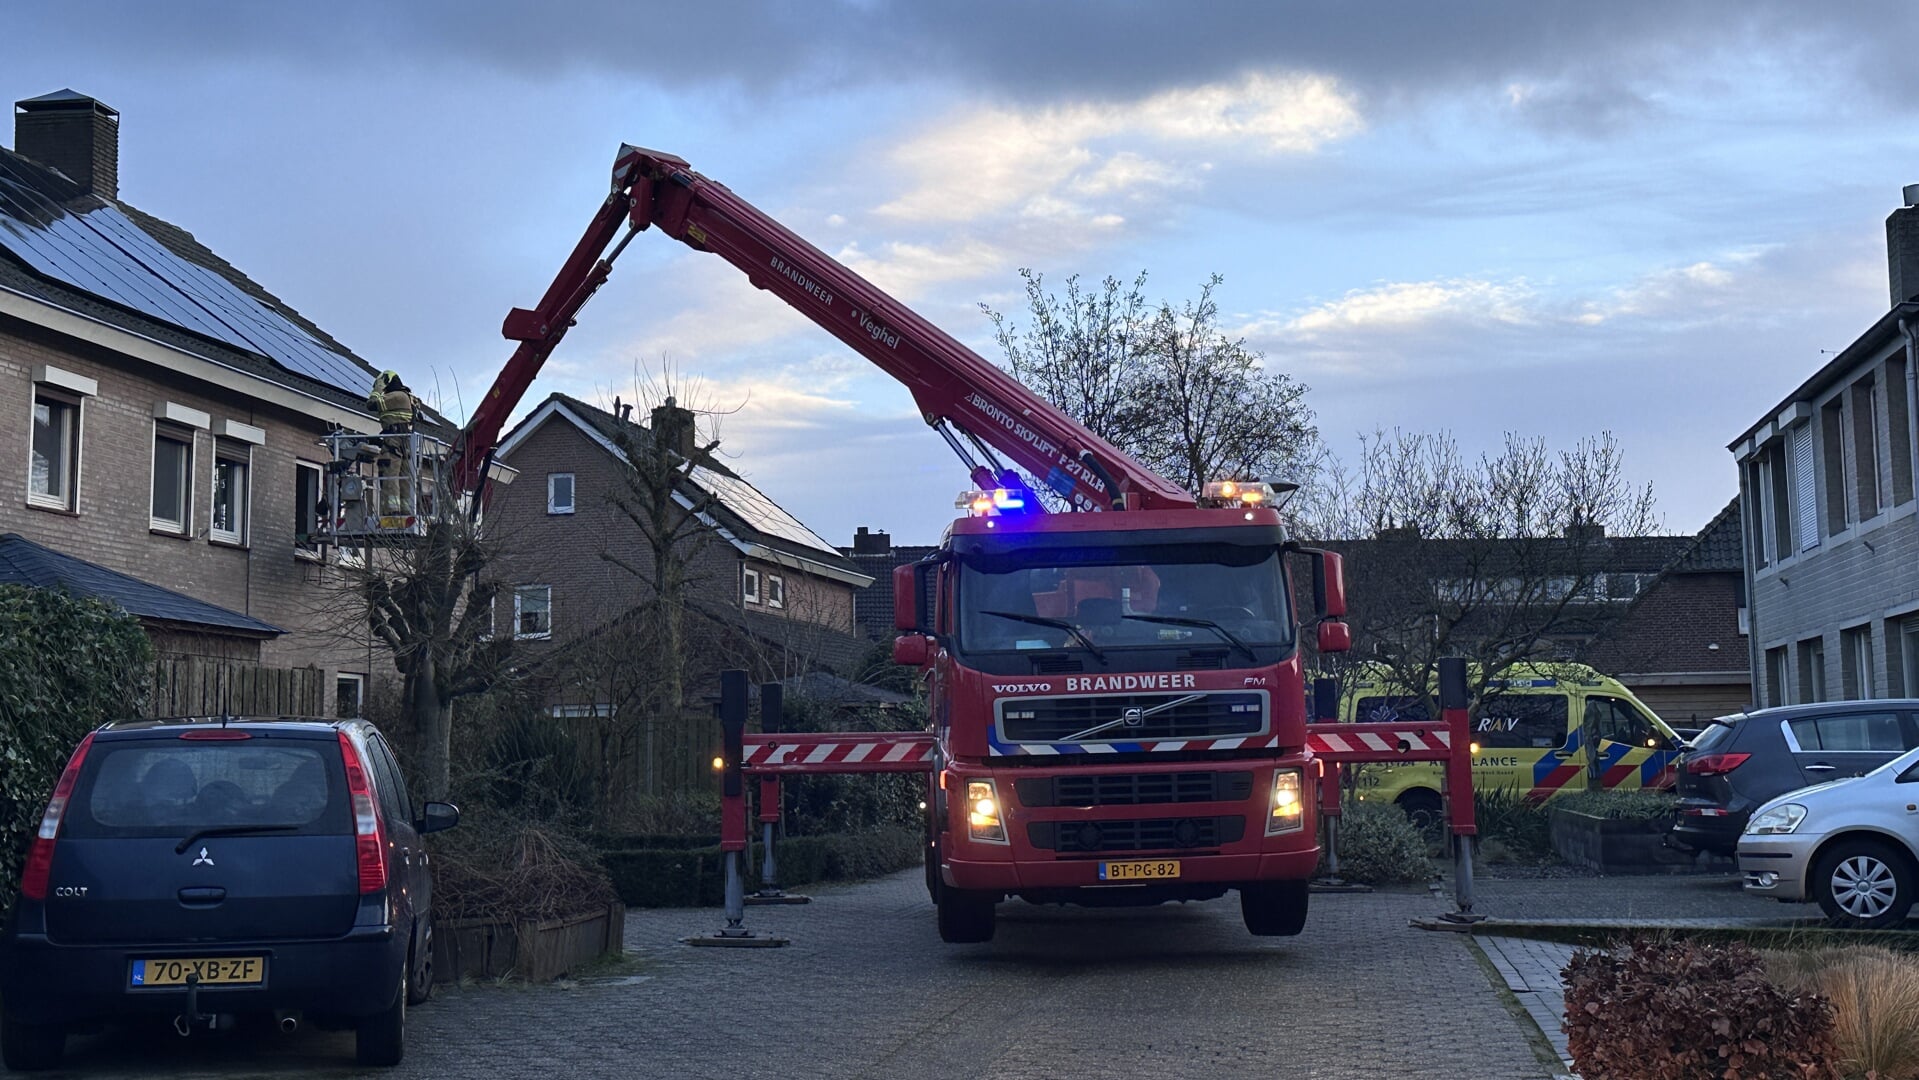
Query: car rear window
{"points": [[168, 787], [1717, 732]]}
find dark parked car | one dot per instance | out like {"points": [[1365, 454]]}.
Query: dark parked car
{"points": [[206, 869], [1739, 762]]}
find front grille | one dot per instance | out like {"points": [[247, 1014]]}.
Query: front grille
{"points": [[1133, 789], [1207, 715], [1155, 834]]}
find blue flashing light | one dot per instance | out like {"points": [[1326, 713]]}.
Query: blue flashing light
{"points": [[1009, 499]]}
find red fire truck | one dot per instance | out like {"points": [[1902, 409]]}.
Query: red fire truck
{"points": [[1118, 705]]}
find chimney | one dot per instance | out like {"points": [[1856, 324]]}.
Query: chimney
{"points": [[1587, 531], [872, 543], [673, 428], [1902, 248], [73, 133]]}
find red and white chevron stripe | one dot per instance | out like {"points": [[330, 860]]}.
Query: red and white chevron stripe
{"points": [[1343, 743], [838, 752]]}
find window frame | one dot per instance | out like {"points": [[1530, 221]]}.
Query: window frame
{"points": [[572, 493], [1856, 662], [73, 439], [750, 585], [358, 680], [240, 456], [775, 591], [187, 438], [313, 548], [519, 593]]}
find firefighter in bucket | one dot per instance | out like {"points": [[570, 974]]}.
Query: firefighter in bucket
{"points": [[393, 402]]}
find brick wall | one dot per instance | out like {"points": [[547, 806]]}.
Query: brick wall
{"points": [[264, 579]]}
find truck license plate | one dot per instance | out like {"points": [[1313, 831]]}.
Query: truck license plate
{"points": [[1153, 870], [213, 971]]}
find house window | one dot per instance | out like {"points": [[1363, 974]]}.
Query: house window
{"points": [[53, 467], [306, 509], [751, 587], [172, 479], [1899, 425], [230, 469], [1832, 436], [533, 612], [559, 493], [1864, 407], [1776, 688], [1812, 672], [1856, 658], [775, 591], [349, 695], [1909, 654]]}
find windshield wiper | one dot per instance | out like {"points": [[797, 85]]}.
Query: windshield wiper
{"points": [[1057, 624], [227, 830], [1205, 624]]}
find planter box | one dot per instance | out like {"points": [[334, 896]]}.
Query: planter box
{"points": [[531, 950], [1613, 846]]}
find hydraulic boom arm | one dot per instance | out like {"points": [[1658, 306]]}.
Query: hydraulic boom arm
{"points": [[953, 386]]}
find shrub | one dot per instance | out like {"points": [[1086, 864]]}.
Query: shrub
{"points": [[696, 877], [67, 665], [1875, 1002], [1621, 805], [1681, 1010], [1512, 828], [490, 869], [1378, 846]]}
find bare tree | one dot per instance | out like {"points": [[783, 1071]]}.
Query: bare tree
{"points": [[1161, 382], [1501, 560], [428, 602]]}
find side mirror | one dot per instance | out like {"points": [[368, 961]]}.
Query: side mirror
{"points": [[1334, 637], [911, 650], [437, 817], [1329, 583], [906, 599]]}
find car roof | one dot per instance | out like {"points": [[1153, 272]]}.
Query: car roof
{"points": [[289, 724], [1826, 708]]}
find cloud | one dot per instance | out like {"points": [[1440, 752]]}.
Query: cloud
{"points": [[1045, 160], [1410, 304]]}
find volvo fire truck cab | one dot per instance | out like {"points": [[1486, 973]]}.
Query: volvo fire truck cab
{"points": [[1118, 709]]}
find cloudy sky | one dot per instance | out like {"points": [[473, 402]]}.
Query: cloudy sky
{"points": [[1554, 219]]}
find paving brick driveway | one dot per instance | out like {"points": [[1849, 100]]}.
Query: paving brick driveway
{"points": [[867, 990]]}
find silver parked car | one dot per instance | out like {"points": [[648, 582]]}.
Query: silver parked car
{"points": [[1852, 845]]}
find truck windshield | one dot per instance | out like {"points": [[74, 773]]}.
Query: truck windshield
{"points": [[1111, 602]]}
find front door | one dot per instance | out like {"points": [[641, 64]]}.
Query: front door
{"points": [[1626, 749]]}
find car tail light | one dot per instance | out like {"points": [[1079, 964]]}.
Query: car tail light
{"points": [[216, 734], [1715, 764], [369, 840], [33, 880]]}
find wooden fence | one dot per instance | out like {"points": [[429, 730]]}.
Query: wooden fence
{"points": [[208, 686]]}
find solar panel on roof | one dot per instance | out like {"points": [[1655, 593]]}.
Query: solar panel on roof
{"points": [[102, 252], [757, 510]]}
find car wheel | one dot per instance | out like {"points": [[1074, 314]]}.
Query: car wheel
{"points": [[1273, 908], [380, 1039], [31, 1047], [1864, 884], [1424, 809], [966, 916], [419, 967]]}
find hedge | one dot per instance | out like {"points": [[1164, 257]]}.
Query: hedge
{"points": [[67, 665], [696, 877]]}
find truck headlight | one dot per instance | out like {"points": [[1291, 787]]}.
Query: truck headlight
{"points": [[1289, 803], [982, 812], [1784, 818]]}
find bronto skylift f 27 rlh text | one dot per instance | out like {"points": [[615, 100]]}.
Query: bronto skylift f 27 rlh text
{"points": [[1118, 704]]}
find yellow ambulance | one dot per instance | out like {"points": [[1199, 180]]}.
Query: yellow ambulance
{"points": [[1538, 731]]}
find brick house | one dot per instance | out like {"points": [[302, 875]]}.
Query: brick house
{"points": [[876, 555], [169, 413], [764, 591], [1680, 645], [1832, 532]]}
